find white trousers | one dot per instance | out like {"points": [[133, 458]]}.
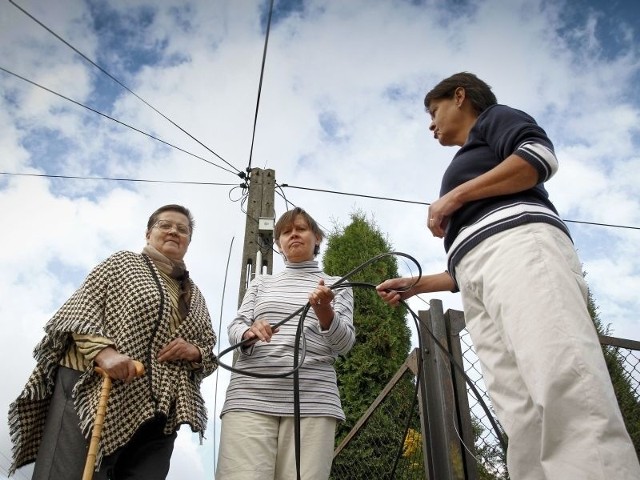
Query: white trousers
{"points": [[525, 303], [254, 446]]}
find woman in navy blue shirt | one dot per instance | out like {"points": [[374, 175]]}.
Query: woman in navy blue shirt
{"points": [[524, 296]]}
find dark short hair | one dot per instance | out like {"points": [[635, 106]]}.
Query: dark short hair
{"points": [[288, 217], [172, 208], [477, 91]]}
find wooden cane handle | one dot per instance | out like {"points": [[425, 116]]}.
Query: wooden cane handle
{"points": [[138, 366]]}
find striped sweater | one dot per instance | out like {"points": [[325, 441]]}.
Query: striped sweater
{"points": [[273, 297], [499, 132]]}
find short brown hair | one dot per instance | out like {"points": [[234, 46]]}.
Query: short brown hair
{"points": [[172, 208], [477, 91], [288, 217]]}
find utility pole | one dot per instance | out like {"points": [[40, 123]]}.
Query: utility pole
{"points": [[257, 253]]}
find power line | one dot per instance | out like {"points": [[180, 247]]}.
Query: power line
{"points": [[115, 179], [374, 197], [281, 193], [118, 121], [239, 173], [264, 57], [601, 224], [285, 185]]}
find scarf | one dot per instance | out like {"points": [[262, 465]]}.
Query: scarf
{"points": [[177, 270]]}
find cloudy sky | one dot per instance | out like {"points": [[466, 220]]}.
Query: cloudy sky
{"points": [[340, 109]]}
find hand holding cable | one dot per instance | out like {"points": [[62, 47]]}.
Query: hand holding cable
{"points": [[321, 293], [320, 300], [259, 330]]}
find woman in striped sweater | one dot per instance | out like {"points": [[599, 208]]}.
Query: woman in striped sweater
{"points": [[257, 437]]}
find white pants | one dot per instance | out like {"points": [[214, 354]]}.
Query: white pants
{"points": [[525, 303], [262, 447]]}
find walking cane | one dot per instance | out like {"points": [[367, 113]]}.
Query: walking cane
{"points": [[100, 414]]}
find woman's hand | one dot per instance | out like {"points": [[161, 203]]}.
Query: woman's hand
{"points": [[514, 174], [395, 289], [115, 364], [320, 300], [440, 212], [179, 349], [322, 295], [259, 330]]}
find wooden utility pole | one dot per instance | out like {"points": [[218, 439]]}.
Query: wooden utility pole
{"points": [[257, 253]]}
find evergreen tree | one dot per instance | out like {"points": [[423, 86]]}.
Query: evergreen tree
{"points": [[383, 338]]}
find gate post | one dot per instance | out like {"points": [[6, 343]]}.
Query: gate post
{"points": [[443, 453], [455, 323]]}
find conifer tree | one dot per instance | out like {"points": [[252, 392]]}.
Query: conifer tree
{"points": [[383, 338]]}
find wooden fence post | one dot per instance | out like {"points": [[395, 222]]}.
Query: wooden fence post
{"points": [[444, 451]]}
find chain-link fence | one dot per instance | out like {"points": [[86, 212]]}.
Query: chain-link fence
{"points": [[387, 443], [623, 360], [489, 454]]}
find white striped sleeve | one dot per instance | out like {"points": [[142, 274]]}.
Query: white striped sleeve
{"points": [[541, 157]]}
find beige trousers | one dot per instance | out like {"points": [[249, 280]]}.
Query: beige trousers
{"points": [[525, 303], [262, 447]]}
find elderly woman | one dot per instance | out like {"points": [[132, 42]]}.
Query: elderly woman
{"points": [[132, 306], [524, 296], [257, 437]]}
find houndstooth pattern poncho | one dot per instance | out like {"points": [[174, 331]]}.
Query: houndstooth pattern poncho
{"points": [[125, 300]]}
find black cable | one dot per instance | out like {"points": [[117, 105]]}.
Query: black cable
{"points": [[243, 193], [264, 57], [452, 360], [237, 171], [300, 351], [115, 179], [472, 386], [244, 187], [114, 119], [281, 193], [283, 185], [601, 224], [374, 197], [300, 312]]}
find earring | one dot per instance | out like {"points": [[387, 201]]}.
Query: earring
{"points": [[316, 250]]}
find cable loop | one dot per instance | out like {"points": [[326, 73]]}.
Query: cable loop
{"points": [[300, 343]]}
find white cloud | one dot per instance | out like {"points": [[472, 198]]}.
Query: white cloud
{"points": [[360, 67]]}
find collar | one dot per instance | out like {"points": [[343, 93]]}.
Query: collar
{"points": [[306, 266]]}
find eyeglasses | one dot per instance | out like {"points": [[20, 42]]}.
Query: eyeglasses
{"points": [[167, 226]]}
